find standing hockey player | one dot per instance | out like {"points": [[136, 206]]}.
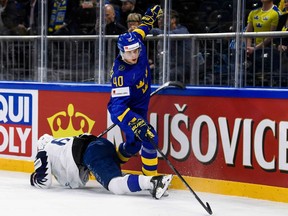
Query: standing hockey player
{"points": [[71, 159], [130, 95]]}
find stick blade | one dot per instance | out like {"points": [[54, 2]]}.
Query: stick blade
{"points": [[208, 208], [177, 84]]}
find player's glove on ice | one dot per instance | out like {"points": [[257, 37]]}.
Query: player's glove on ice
{"points": [[41, 178]]}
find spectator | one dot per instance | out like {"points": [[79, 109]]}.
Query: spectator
{"points": [[129, 6], [117, 8], [260, 52], [60, 14], [282, 7], [259, 20], [85, 18], [282, 26], [112, 27], [282, 45], [133, 21], [15, 17], [3, 4], [180, 50]]}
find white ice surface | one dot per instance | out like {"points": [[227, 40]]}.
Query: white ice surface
{"points": [[18, 198]]}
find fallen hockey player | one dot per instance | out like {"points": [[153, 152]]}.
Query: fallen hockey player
{"points": [[71, 159]]}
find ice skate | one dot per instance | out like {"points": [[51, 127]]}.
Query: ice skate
{"points": [[160, 185]]}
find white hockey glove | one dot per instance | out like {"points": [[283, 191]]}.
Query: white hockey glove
{"points": [[43, 141]]}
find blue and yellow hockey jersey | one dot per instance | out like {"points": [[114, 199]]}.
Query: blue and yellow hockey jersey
{"points": [[131, 86]]}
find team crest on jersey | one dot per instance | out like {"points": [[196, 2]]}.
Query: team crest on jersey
{"points": [[259, 25], [120, 92], [121, 68], [141, 84]]}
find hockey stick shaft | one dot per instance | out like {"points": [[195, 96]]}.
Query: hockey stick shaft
{"points": [[207, 206], [165, 85]]}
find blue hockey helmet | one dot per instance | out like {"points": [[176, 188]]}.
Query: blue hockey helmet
{"points": [[128, 42]]}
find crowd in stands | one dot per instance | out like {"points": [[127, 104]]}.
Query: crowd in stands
{"points": [[72, 17], [79, 17]]}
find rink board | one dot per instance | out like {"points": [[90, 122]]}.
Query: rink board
{"points": [[222, 140]]}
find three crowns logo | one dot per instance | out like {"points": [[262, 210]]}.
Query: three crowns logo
{"points": [[57, 123]]}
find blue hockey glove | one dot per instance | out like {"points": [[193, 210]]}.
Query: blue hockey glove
{"points": [[41, 178], [151, 16], [143, 131]]}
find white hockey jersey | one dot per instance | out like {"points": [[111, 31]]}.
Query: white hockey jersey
{"points": [[60, 157]]}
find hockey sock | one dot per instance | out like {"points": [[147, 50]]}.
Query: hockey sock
{"points": [[149, 161]]}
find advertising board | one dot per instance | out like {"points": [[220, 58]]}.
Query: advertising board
{"points": [[18, 123], [237, 139]]}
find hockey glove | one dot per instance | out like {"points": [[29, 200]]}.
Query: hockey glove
{"points": [[151, 16], [41, 178], [143, 131], [43, 141]]}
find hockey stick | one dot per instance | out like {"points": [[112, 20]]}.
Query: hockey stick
{"points": [[207, 206], [165, 85], [168, 84]]}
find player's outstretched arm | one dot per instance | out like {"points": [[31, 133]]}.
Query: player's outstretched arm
{"points": [[148, 20], [151, 16], [41, 177]]}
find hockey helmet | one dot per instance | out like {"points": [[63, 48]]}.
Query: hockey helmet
{"points": [[128, 42]]}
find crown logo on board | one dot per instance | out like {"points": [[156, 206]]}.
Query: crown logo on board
{"points": [[70, 123]]}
